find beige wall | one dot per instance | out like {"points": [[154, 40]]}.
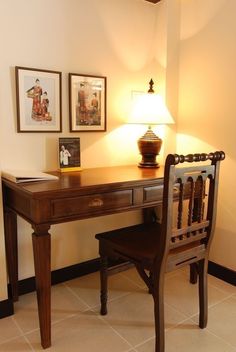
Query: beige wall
{"points": [[207, 103], [129, 41], [101, 37]]}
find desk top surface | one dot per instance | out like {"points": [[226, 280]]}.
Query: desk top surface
{"points": [[93, 177]]}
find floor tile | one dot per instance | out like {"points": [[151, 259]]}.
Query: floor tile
{"points": [[64, 304], [188, 337], [222, 320], [133, 275], [182, 295], [129, 325], [221, 285], [88, 287], [8, 329], [18, 344], [132, 317], [85, 332]]}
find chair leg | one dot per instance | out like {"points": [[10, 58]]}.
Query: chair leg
{"points": [[193, 273], [203, 299], [151, 282], [103, 281], [158, 296]]}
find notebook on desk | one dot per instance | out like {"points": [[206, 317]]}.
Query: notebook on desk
{"points": [[20, 176]]}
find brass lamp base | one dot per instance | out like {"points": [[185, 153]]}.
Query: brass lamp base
{"points": [[149, 147]]}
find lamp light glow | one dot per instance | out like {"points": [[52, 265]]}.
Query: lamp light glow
{"points": [[150, 109]]}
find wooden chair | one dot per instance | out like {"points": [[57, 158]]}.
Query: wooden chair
{"points": [[183, 237]]}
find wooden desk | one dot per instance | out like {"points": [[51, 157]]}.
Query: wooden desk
{"points": [[74, 196]]}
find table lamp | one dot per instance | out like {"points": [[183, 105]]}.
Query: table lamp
{"points": [[149, 109]]}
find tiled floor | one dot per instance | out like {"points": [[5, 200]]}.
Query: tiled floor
{"points": [[129, 326]]}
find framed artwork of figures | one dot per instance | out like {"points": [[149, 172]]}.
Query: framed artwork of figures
{"points": [[38, 94], [87, 103]]}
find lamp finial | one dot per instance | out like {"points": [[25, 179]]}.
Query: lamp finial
{"points": [[151, 83]]}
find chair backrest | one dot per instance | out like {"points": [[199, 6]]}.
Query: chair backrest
{"points": [[189, 207]]}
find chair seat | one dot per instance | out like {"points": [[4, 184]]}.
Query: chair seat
{"points": [[140, 243], [137, 243]]}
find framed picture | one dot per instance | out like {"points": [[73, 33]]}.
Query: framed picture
{"points": [[87, 103], [38, 94], [69, 154]]}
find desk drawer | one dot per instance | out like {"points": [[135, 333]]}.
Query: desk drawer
{"points": [[153, 193], [92, 204]]}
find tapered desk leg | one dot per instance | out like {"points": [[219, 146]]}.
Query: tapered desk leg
{"points": [[10, 226], [42, 262]]}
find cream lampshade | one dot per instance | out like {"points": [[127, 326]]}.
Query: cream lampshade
{"points": [[149, 109]]}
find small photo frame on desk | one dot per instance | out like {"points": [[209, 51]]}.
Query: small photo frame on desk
{"points": [[38, 97], [69, 154], [87, 103]]}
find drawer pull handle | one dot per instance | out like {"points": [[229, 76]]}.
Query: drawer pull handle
{"points": [[176, 190], [96, 202]]}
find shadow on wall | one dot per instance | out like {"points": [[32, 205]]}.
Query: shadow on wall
{"points": [[191, 8], [207, 104], [135, 47]]}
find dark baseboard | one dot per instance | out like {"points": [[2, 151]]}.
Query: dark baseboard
{"points": [[6, 308], [58, 276], [222, 273], [91, 266], [61, 275]]}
